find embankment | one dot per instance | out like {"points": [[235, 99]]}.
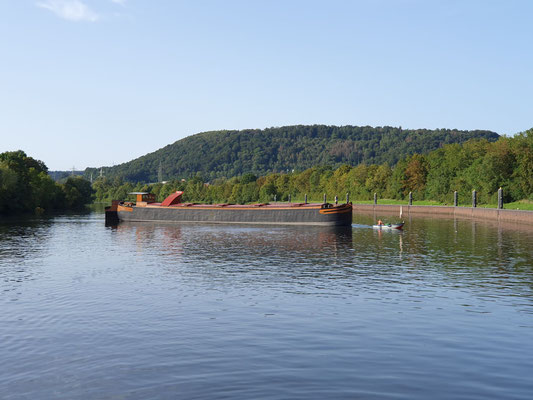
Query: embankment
{"points": [[487, 214]]}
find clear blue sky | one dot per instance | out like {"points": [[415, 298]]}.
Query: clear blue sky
{"points": [[100, 82]]}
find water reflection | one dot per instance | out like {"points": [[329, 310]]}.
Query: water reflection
{"points": [[490, 262], [239, 254]]}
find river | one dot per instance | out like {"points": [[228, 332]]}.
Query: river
{"points": [[155, 311]]}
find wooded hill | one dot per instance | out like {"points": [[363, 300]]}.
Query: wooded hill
{"points": [[233, 153]]}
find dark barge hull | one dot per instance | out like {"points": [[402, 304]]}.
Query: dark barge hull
{"points": [[268, 215]]}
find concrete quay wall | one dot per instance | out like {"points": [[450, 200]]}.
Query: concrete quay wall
{"points": [[489, 214]]}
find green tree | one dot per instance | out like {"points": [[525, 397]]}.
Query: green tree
{"points": [[78, 192], [522, 177], [8, 188], [25, 185]]}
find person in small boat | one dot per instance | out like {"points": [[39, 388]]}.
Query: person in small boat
{"points": [[380, 223]]}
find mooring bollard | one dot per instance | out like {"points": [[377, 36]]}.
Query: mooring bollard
{"points": [[455, 199], [305, 199], [474, 198], [500, 198], [375, 198], [410, 198], [336, 200]]}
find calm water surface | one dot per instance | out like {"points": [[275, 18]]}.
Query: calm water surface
{"points": [[142, 311]]}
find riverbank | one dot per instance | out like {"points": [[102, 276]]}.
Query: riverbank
{"points": [[492, 214], [515, 205]]}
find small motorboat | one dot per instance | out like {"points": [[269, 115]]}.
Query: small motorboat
{"points": [[389, 226]]}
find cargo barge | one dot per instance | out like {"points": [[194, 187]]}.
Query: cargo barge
{"points": [[173, 210]]}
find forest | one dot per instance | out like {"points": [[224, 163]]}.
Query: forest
{"points": [[226, 154], [26, 187], [477, 164]]}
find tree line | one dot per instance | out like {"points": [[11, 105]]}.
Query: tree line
{"points": [[25, 186], [476, 164]]}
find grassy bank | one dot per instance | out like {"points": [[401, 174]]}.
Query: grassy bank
{"points": [[517, 205]]}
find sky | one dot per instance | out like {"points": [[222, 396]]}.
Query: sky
{"points": [[90, 83]]}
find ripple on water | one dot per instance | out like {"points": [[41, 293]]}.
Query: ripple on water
{"points": [[160, 311]]}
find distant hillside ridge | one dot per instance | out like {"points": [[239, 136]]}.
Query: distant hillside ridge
{"points": [[62, 176], [229, 153]]}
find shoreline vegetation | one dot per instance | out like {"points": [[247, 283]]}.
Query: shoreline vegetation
{"points": [[478, 164], [26, 187]]}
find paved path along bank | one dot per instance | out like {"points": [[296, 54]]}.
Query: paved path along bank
{"points": [[489, 214]]}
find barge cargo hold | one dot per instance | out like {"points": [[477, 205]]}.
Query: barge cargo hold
{"points": [[174, 211]]}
